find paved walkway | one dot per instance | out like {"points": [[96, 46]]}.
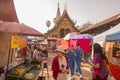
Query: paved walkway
{"points": [[85, 69]]}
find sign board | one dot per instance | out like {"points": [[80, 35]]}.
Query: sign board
{"points": [[18, 42]]}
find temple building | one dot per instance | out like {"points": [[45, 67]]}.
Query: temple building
{"points": [[63, 24]]}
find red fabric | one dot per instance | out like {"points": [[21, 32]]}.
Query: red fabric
{"points": [[55, 67], [84, 44], [73, 42], [115, 71], [24, 50]]}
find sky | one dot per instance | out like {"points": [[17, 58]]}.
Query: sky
{"points": [[35, 13]]}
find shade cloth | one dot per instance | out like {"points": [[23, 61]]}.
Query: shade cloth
{"points": [[102, 36], [69, 36], [75, 35], [114, 37], [84, 44], [64, 43]]}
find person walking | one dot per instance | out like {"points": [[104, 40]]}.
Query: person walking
{"points": [[37, 54], [100, 69], [78, 59], [60, 65], [71, 60]]}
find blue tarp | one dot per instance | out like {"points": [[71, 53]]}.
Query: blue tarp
{"points": [[113, 37], [102, 36]]}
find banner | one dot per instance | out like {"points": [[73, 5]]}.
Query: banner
{"points": [[18, 42]]}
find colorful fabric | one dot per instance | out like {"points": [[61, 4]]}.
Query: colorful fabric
{"points": [[64, 43], [101, 72], [115, 71], [84, 44], [105, 65], [24, 51]]}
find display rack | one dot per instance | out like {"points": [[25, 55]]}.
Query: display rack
{"points": [[19, 72]]}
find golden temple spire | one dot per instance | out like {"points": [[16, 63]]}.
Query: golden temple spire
{"points": [[58, 11]]}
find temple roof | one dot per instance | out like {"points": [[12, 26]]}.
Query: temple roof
{"points": [[58, 12], [65, 14]]}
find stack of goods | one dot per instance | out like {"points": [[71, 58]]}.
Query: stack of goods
{"points": [[19, 71]]}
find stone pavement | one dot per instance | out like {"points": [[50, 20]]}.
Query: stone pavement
{"points": [[85, 70]]}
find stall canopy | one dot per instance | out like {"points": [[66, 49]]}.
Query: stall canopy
{"points": [[22, 29], [114, 37], [74, 38], [102, 36]]}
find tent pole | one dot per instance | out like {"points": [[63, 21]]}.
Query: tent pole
{"points": [[8, 55]]}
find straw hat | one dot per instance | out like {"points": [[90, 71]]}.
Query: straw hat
{"points": [[60, 48]]}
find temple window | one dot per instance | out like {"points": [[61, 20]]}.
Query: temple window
{"points": [[68, 30], [62, 33]]}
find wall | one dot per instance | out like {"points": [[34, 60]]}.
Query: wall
{"points": [[4, 48]]}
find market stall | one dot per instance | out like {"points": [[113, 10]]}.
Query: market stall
{"points": [[104, 40], [85, 41], [13, 42], [111, 38], [29, 70], [73, 38]]}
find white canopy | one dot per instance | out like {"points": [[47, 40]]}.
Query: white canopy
{"points": [[102, 36]]}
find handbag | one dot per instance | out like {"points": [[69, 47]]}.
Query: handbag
{"points": [[110, 77]]}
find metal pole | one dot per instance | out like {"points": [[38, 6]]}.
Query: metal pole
{"points": [[9, 55]]}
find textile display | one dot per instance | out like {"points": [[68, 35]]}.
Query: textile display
{"points": [[115, 71], [64, 43], [84, 44]]}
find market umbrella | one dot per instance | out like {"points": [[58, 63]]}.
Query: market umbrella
{"points": [[75, 38], [84, 36], [69, 36], [14, 27]]}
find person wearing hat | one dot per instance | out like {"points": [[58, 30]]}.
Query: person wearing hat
{"points": [[60, 65]]}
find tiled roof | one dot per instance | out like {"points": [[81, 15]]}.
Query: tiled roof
{"points": [[60, 19], [113, 18]]}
